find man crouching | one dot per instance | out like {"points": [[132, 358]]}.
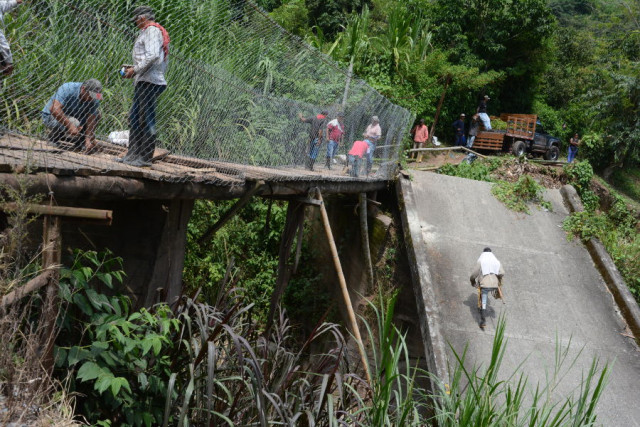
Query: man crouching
{"points": [[72, 114]]}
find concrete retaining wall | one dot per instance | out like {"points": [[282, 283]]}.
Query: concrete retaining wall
{"points": [[612, 277]]}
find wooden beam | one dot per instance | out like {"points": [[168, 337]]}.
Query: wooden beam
{"points": [[343, 286], [231, 212], [295, 217], [105, 187], [413, 150], [63, 211], [32, 285]]}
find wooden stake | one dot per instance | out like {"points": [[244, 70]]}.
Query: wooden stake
{"points": [[438, 109], [364, 232], [32, 285], [343, 286]]}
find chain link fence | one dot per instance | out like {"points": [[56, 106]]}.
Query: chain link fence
{"points": [[236, 85]]}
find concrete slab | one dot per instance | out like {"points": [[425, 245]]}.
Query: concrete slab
{"points": [[553, 291]]}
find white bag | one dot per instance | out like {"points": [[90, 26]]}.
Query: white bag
{"points": [[120, 137]]}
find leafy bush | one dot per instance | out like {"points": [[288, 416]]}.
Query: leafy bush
{"points": [[121, 364], [617, 231], [479, 170], [579, 175], [517, 196]]}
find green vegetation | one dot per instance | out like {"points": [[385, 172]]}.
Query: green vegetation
{"points": [[518, 195], [481, 397], [201, 364], [479, 170]]}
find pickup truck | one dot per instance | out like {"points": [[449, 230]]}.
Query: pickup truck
{"points": [[524, 135]]}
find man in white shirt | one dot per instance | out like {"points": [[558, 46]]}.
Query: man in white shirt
{"points": [[371, 136], [487, 275], [150, 53]]}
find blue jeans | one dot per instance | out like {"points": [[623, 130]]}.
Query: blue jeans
{"points": [[484, 295], [314, 148], [142, 119], [332, 149], [354, 161], [460, 140], [470, 141], [573, 151], [372, 148], [486, 121]]}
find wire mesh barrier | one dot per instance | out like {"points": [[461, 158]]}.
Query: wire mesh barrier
{"points": [[237, 86]]}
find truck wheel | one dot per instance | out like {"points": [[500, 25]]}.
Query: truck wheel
{"points": [[519, 148], [552, 153]]}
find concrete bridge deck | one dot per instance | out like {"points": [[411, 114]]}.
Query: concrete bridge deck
{"points": [[554, 293]]}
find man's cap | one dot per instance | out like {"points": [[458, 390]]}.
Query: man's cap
{"points": [[142, 10], [487, 249], [94, 88], [375, 119], [487, 97], [463, 115]]}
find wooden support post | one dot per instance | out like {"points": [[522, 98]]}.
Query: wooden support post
{"points": [[295, 217], [364, 232], [343, 286], [298, 247], [51, 256], [246, 197]]}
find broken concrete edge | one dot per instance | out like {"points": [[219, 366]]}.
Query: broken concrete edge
{"points": [[610, 273], [423, 286]]}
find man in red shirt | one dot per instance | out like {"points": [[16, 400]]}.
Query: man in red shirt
{"points": [[420, 136], [358, 150], [335, 129]]}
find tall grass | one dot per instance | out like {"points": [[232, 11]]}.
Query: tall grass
{"points": [[483, 396]]}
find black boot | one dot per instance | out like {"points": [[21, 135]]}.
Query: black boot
{"points": [[328, 163], [483, 320]]}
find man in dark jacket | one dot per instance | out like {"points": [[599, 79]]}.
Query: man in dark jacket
{"points": [[316, 135], [459, 129]]}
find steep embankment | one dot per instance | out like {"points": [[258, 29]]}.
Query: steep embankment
{"points": [[554, 294]]}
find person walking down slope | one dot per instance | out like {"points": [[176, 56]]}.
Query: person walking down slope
{"points": [[459, 129], [72, 113], [150, 59], [316, 135], [487, 275], [420, 134], [574, 143], [6, 58], [335, 130], [482, 113], [371, 135]]}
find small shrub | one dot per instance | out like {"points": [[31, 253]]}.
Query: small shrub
{"points": [[579, 175], [480, 170], [517, 196]]}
